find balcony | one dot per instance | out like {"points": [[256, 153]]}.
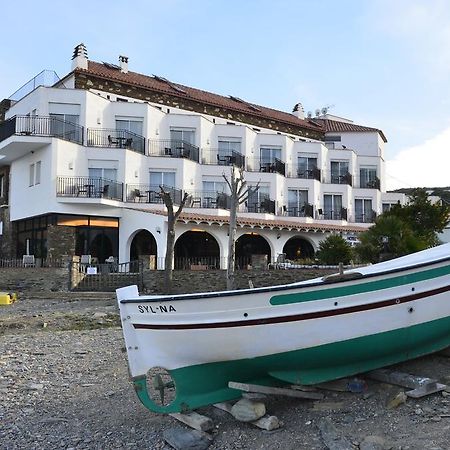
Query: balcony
{"points": [[208, 199], [336, 178], [149, 193], [223, 157], [89, 187], [41, 126], [110, 137], [264, 205], [262, 165], [369, 184], [296, 172], [173, 149], [366, 217], [339, 214], [307, 210]]}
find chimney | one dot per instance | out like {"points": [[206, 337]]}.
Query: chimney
{"points": [[80, 57], [123, 60], [298, 111]]}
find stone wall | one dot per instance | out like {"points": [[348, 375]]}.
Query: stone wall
{"points": [[187, 281], [39, 281], [60, 241]]}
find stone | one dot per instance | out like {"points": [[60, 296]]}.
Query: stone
{"points": [[268, 423], [396, 401], [332, 438], [181, 439], [246, 410], [372, 443]]}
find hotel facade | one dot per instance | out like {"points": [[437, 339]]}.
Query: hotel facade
{"points": [[82, 160]]}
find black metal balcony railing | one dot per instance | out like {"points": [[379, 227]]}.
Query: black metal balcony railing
{"points": [[306, 174], [370, 184], [41, 126], [208, 199], [89, 187], [339, 214], [345, 178], [306, 210], [275, 165], [174, 149], [150, 193], [264, 205], [223, 157], [111, 137], [367, 217]]}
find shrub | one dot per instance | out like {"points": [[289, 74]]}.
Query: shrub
{"points": [[333, 250]]}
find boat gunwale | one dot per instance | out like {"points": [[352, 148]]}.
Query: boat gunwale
{"points": [[277, 288]]}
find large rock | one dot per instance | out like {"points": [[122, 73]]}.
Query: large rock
{"points": [[246, 410], [332, 438], [181, 439]]}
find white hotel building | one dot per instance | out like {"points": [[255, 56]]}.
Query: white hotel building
{"points": [[81, 162]]}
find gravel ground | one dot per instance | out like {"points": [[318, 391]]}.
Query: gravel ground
{"points": [[64, 385]]}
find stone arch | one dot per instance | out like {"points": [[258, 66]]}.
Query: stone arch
{"points": [[143, 243], [197, 248], [249, 244], [298, 247]]}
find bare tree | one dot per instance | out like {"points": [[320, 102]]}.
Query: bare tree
{"points": [[239, 194], [172, 217]]}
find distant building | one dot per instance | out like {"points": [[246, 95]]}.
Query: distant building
{"points": [[82, 160]]}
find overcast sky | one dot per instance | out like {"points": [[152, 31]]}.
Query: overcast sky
{"points": [[381, 63]]}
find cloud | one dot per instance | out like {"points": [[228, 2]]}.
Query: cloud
{"points": [[422, 165]]}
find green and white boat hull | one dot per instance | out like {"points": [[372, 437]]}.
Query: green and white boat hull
{"points": [[306, 332]]}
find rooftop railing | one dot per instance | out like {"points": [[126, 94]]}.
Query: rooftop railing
{"points": [[173, 149], [89, 187], [41, 126], [111, 137]]}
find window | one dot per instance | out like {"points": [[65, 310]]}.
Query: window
{"points": [[162, 179], [31, 175], [214, 186], [183, 134], [37, 174], [108, 174], [65, 126], [228, 145], [363, 211], [297, 201], [306, 166], [269, 154], [332, 206], [259, 198], [131, 124], [339, 172], [368, 177]]}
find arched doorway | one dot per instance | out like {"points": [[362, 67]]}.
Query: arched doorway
{"points": [[298, 248], [142, 244], [251, 244], [197, 248]]}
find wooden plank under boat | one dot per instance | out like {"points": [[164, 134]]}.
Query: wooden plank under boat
{"points": [[303, 333]]}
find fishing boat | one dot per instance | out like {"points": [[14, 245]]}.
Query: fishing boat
{"points": [[183, 350]]}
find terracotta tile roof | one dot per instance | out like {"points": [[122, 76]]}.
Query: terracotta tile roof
{"points": [[252, 222], [337, 126], [162, 85]]}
